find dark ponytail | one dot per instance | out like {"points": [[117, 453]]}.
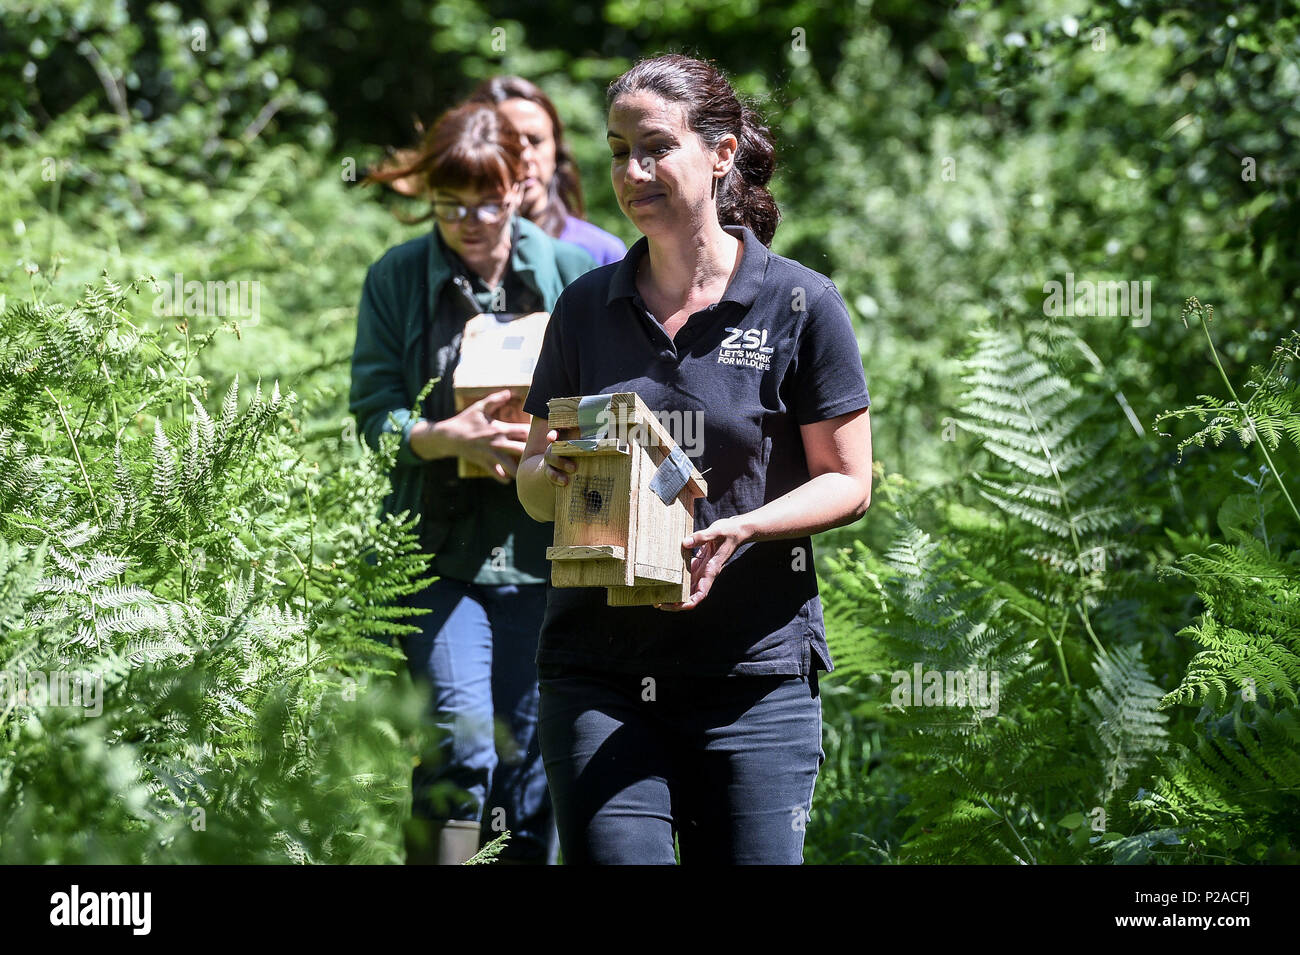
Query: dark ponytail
{"points": [[743, 197], [712, 111]]}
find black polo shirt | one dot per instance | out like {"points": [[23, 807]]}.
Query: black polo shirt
{"points": [[777, 351]]}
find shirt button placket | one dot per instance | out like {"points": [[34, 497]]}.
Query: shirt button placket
{"points": [[666, 350]]}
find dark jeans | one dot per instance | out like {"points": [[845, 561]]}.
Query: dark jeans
{"points": [[727, 764], [477, 652]]}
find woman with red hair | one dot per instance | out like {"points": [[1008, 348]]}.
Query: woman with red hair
{"points": [[486, 594]]}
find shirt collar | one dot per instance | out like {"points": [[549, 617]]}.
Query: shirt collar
{"points": [[743, 288]]}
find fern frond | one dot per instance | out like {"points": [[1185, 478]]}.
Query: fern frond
{"points": [[1127, 726], [164, 469], [1244, 777], [1053, 477], [1250, 630]]}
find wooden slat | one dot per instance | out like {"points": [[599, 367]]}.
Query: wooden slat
{"points": [[633, 471], [563, 412], [587, 573], [642, 596], [603, 446], [649, 572], [585, 552]]}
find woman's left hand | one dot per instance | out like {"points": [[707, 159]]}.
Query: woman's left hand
{"points": [[711, 549]]}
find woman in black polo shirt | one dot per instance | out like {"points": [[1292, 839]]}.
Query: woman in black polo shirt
{"points": [[700, 719]]}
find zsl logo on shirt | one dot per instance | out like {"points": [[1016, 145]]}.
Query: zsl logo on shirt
{"points": [[747, 347]]}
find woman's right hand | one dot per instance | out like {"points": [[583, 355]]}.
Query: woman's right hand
{"points": [[543, 470], [476, 436], [558, 467]]}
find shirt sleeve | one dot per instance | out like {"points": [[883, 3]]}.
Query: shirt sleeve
{"points": [[377, 388], [556, 373], [828, 378]]}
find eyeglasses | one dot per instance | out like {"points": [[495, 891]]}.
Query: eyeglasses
{"points": [[488, 213]]}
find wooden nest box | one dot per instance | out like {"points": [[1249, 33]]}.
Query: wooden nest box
{"points": [[620, 519], [497, 350]]}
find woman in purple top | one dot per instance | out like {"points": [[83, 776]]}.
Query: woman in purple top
{"points": [[553, 189]]}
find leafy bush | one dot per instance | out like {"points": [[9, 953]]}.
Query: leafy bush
{"points": [[218, 592], [1075, 762]]}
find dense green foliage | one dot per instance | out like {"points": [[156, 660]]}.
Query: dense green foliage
{"points": [[216, 587], [1099, 509], [1023, 576]]}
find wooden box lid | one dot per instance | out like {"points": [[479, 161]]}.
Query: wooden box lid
{"points": [[499, 350]]}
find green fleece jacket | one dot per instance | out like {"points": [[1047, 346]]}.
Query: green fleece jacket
{"points": [[388, 363]]}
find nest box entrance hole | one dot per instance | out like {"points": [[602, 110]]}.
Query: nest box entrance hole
{"points": [[592, 499]]}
